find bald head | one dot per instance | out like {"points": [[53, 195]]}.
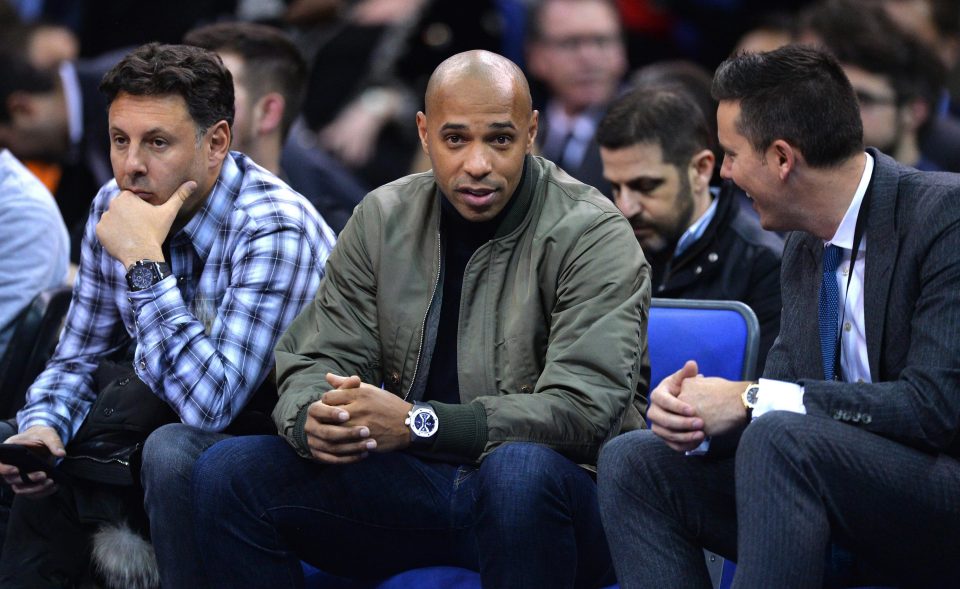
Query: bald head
{"points": [[470, 68], [477, 129]]}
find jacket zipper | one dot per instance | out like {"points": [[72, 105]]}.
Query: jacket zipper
{"points": [[103, 460], [423, 324]]}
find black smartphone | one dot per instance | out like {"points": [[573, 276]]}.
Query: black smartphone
{"points": [[27, 461]]}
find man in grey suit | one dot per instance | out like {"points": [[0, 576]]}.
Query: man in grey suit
{"points": [[847, 468]]}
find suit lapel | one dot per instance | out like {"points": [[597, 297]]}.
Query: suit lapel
{"points": [[882, 246]]}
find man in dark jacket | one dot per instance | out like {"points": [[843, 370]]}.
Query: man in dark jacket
{"points": [[701, 245]]}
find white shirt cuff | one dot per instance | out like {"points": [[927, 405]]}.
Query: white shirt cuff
{"points": [[776, 395]]}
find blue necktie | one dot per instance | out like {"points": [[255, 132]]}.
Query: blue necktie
{"points": [[829, 310]]}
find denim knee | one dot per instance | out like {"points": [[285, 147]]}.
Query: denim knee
{"points": [[519, 482], [171, 451], [166, 454]]}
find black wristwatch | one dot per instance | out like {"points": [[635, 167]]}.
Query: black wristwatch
{"points": [[145, 273]]}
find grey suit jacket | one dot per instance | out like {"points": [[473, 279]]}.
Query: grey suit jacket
{"points": [[911, 310]]}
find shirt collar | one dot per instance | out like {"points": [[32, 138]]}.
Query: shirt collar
{"points": [[695, 231], [71, 93], [203, 229], [583, 126], [844, 236]]}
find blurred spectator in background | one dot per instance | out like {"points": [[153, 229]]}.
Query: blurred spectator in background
{"points": [[368, 76], [772, 30], [28, 217], [897, 79], [575, 49], [59, 116], [269, 73], [937, 24]]}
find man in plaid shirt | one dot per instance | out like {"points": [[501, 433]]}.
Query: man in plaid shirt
{"points": [[204, 258]]}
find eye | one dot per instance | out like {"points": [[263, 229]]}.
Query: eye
{"points": [[119, 140], [503, 139], [159, 142], [454, 139], [646, 185]]}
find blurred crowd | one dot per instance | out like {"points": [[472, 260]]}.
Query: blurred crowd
{"points": [[349, 115]]}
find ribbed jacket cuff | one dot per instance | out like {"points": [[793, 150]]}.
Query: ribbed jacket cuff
{"points": [[463, 429], [298, 435]]}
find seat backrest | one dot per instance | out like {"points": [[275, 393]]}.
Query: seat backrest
{"points": [[722, 336], [31, 345]]}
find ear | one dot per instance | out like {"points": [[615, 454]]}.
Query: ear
{"points": [[268, 113], [422, 131], [219, 143], [783, 157], [701, 168], [532, 130]]}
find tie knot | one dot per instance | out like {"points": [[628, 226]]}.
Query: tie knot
{"points": [[831, 258]]}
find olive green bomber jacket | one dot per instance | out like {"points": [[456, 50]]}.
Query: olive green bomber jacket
{"points": [[552, 332]]}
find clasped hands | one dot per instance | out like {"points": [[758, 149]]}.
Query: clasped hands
{"points": [[686, 407], [354, 419]]}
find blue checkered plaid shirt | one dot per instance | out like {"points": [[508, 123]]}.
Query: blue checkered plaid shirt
{"points": [[243, 267]]}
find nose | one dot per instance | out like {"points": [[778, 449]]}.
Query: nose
{"points": [[478, 163], [628, 204], [134, 164], [725, 169]]}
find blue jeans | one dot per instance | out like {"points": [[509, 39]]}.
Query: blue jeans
{"points": [[527, 517], [168, 458]]}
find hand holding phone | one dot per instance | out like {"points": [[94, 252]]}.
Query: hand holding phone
{"points": [[27, 461]]}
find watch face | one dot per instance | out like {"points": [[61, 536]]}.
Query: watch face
{"points": [[141, 277], [752, 394], [424, 423]]}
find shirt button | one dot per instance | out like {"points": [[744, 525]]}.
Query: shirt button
{"points": [[698, 270], [846, 270], [859, 380], [143, 365], [713, 257], [661, 288], [847, 326], [525, 389]]}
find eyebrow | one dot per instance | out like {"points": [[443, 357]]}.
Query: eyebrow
{"points": [[461, 126], [151, 131]]}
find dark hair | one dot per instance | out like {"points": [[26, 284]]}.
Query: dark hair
{"points": [[684, 76], [866, 37], [18, 75], [795, 93], [271, 60], [196, 74], [664, 116]]}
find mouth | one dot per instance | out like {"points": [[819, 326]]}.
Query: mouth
{"points": [[143, 194], [477, 196]]}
